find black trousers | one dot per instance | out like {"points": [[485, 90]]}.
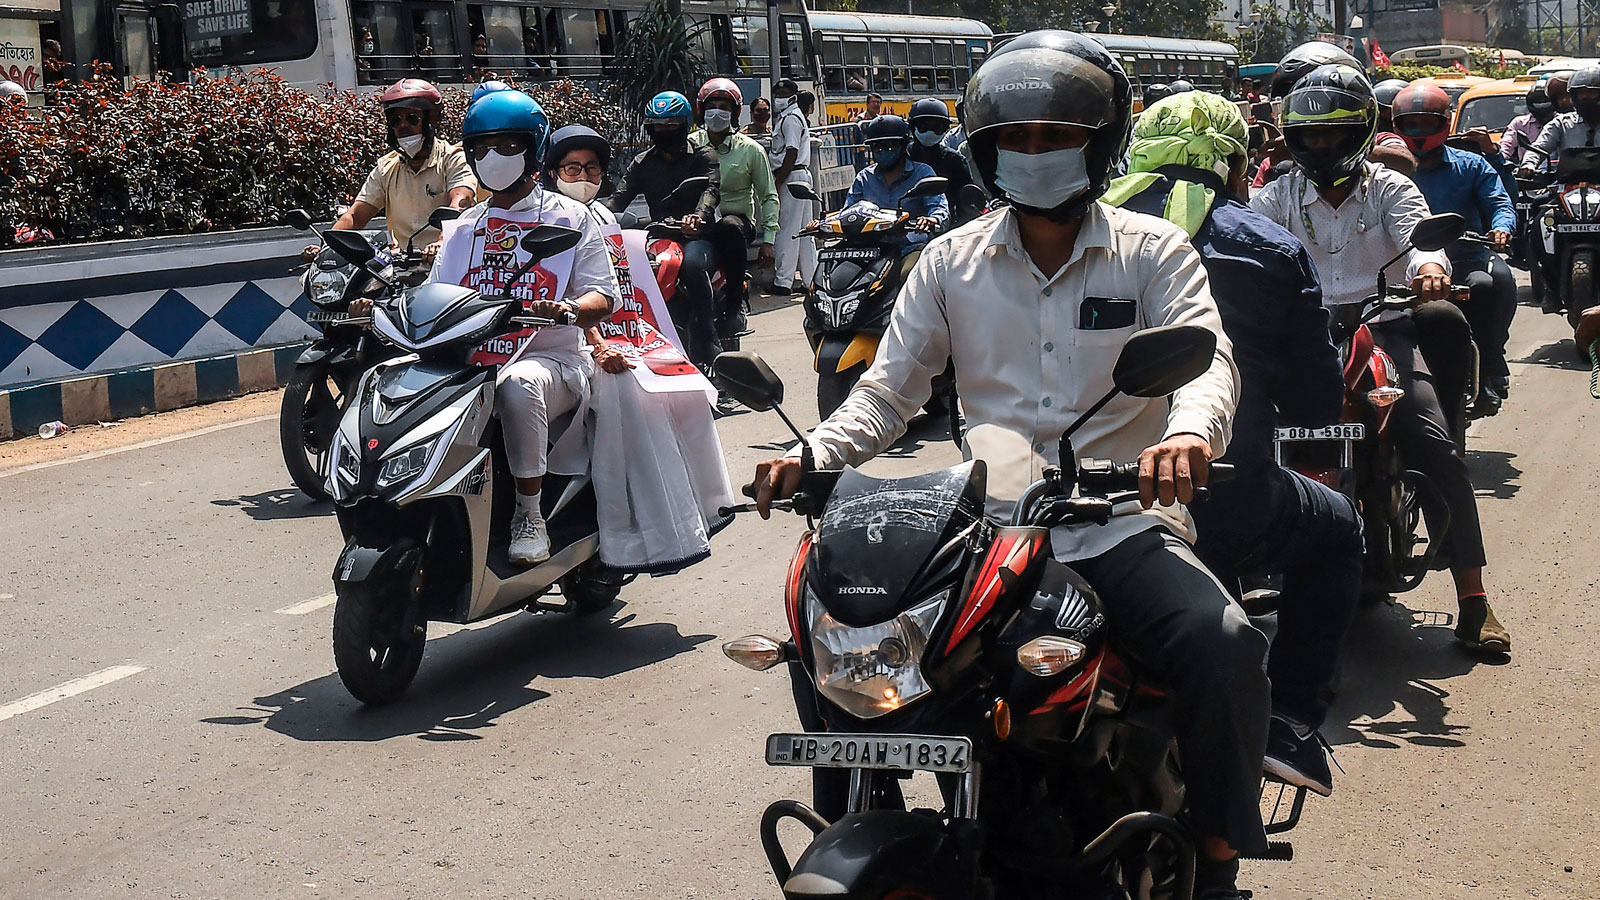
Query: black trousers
{"points": [[731, 236], [1489, 311], [693, 307], [1182, 627], [1431, 357], [1277, 521]]}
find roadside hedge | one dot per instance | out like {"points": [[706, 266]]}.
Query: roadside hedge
{"points": [[100, 162]]}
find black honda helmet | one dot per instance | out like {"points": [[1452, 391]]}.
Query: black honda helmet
{"points": [[1057, 77], [885, 130], [1299, 62], [1155, 93], [1181, 86], [930, 109], [1385, 90], [1539, 103], [1584, 89], [1334, 101]]}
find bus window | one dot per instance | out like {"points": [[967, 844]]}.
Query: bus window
{"points": [[855, 57], [882, 77], [795, 60], [832, 51], [578, 51], [922, 65], [512, 41], [382, 53], [944, 56], [751, 44], [898, 73], [433, 39], [976, 54], [280, 30]]}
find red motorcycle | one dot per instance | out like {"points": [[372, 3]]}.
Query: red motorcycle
{"points": [[1402, 511], [926, 637]]}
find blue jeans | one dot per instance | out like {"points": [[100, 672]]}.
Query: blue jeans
{"points": [[1277, 521]]}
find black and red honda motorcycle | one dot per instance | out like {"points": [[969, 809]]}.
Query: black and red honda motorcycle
{"points": [[927, 637]]}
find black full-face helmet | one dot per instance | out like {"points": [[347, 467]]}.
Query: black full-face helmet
{"points": [[1302, 60], [1584, 89], [1329, 121], [1051, 77]]}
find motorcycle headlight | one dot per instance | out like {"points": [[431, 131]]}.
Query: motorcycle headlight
{"points": [[1582, 203], [872, 671], [326, 288], [846, 310], [398, 467], [348, 462]]}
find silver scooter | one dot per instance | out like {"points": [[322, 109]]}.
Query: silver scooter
{"points": [[424, 497]]}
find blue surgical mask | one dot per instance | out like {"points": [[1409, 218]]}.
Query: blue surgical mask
{"points": [[1042, 180], [886, 158], [928, 138]]}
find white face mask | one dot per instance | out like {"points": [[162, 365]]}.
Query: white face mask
{"points": [[719, 121], [1042, 180], [410, 146], [500, 172], [928, 138], [780, 105], [581, 191]]}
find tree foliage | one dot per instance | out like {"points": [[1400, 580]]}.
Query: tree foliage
{"points": [[660, 52], [1274, 31]]}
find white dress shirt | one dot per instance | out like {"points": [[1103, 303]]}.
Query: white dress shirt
{"points": [[791, 133], [1024, 368], [1349, 243]]}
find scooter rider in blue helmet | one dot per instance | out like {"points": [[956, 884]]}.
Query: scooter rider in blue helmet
{"points": [[656, 173], [504, 136]]}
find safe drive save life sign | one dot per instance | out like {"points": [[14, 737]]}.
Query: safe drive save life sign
{"points": [[207, 19]]}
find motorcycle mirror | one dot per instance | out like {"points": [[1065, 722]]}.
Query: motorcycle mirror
{"points": [[443, 214], [350, 245], [746, 376], [804, 192], [687, 188], [1436, 231], [1157, 361], [545, 241], [298, 219], [927, 187]]}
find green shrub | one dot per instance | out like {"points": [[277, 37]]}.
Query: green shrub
{"points": [[102, 163]]}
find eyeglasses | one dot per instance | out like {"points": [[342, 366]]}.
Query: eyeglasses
{"points": [[404, 118], [573, 171], [505, 145]]}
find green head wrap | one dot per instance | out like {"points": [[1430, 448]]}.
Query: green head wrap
{"points": [[1194, 129]]}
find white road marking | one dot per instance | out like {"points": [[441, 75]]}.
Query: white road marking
{"points": [[308, 606], [70, 689], [156, 442]]}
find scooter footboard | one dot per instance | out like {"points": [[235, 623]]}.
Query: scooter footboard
{"points": [[883, 853]]}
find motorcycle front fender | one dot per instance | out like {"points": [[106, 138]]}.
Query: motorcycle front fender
{"points": [[361, 563], [883, 853], [841, 352]]}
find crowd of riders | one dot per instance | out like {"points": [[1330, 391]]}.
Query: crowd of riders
{"points": [[1264, 228]]}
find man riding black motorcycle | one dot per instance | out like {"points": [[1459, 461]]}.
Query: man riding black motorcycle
{"points": [[1353, 215], [1461, 182], [1034, 305], [930, 122], [1188, 162], [1579, 128], [656, 173]]}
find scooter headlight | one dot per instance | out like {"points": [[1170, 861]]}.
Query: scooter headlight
{"points": [[845, 310], [326, 288], [1582, 203], [405, 464], [872, 671], [348, 462]]}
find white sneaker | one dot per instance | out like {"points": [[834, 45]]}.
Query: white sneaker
{"points": [[530, 540]]}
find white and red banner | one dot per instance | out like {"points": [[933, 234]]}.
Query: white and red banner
{"points": [[641, 322]]}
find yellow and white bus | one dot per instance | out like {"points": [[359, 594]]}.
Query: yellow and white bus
{"points": [[903, 59]]}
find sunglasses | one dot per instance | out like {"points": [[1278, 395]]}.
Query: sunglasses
{"points": [[404, 118], [504, 145]]}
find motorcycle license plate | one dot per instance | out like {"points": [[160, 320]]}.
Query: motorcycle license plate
{"points": [[327, 315], [902, 752], [1584, 227], [854, 253], [1353, 431]]}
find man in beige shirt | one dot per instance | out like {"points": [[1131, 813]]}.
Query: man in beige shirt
{"points": [[421, 173], [1034, 304]]}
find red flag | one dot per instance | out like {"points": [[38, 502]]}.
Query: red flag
{"points": [[1461, 65], [1379, 58], [1502, 59]]}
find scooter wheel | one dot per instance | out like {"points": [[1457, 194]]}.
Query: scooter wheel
{"points": [[306, 399], [378, 640]]}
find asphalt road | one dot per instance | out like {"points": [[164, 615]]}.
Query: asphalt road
{"points": [[171, 726]]}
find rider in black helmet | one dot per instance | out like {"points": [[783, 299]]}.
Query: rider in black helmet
{"points": [[1034, 303], [1155, 93], [1181, 86], [930, 122], [1300, 61], [1384, 92]]}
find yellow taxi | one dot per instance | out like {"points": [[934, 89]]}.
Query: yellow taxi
{"points": [[1454, 83], [1493, 104]]}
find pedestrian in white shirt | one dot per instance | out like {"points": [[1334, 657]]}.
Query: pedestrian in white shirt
{"points": [[790, 156], [1034, 303]]}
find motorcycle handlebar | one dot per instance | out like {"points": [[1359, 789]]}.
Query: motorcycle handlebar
{"points": [[1102, 476]]}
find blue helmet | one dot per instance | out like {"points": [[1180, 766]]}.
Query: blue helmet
{"points": [[668, 105], [488, 87], [511, 110]]}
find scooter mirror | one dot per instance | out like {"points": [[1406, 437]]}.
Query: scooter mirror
{"points": [[350, 245], [927, 187], [545, 241], [803, 192], [686, 190], [1435, 232], [748, 378], [443, 214], [1157, 361], [298, 219]]}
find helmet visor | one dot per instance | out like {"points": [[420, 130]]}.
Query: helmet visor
{"points": [[1325, 106], [1329, 153], [1420, 124]]}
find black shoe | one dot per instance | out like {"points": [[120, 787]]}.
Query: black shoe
{"points": [[1551, 305], [1488, 403], [1295, 760], [733, 325], [780, 291], [1502, 386]]}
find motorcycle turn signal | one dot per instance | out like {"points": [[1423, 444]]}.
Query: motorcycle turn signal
{"points": [[757, 652]]}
